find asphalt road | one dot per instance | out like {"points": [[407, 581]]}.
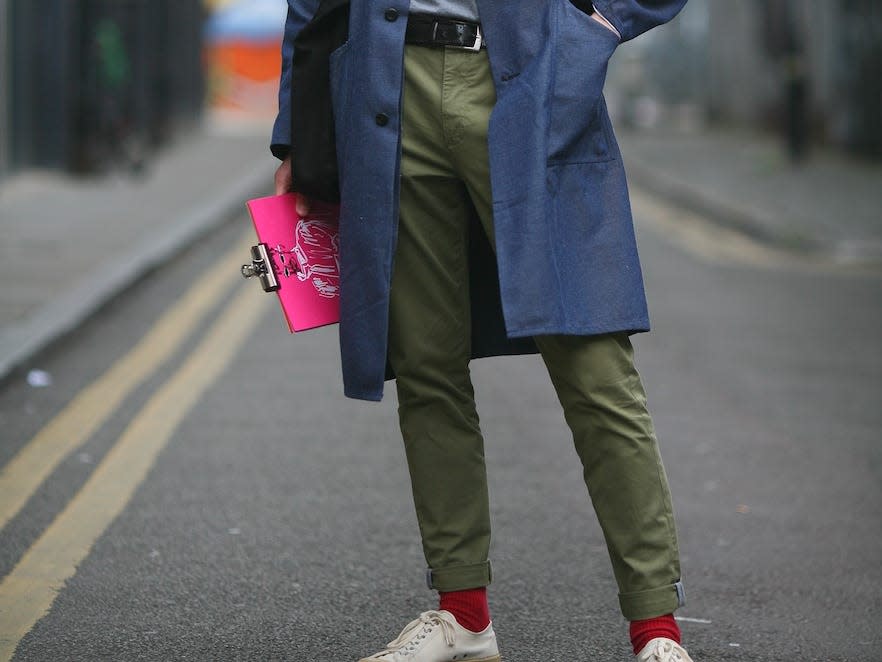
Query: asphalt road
{"points": [[214, 497]]}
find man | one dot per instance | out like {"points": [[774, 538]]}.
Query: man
{"points": [[484, 211]]}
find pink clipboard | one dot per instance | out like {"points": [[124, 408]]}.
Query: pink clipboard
{"points": [[298, 259]]}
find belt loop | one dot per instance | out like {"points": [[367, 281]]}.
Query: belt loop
{"points": [[429, 578]]}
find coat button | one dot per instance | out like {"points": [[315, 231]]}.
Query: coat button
{"points": [[391, 14], [382, 119]]}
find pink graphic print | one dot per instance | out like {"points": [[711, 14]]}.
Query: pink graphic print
{"points": [[317, 252]]}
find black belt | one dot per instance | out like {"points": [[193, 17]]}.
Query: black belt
{"points": [[426, 30]]}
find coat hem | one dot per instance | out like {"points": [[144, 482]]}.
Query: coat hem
{"points": [[635, 326], [370, 396]]}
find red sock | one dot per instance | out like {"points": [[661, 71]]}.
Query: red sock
{"points": [[469, 607], [642, 632]]}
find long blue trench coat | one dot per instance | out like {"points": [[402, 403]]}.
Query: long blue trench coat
{"points": [[566, 257]]}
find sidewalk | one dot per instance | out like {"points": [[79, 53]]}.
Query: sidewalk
{"points": [[71, 244], [831, 205]]}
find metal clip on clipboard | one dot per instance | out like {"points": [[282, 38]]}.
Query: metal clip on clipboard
{"points": [[261, 267]]}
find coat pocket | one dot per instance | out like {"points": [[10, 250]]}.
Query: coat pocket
{"points": [[579, 129], [588, 9]]}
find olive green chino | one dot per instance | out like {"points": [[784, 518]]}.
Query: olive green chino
{"points": [[448, 97]]}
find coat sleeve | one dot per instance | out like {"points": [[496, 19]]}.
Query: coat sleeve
{"points": [[299, 14], [634, 17]]}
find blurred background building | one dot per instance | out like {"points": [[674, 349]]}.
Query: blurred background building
{"points": [[808, 70], [92, 81], [92, 85], [88, 83]]}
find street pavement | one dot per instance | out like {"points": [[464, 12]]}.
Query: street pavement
{"points": [[214, 497], [71, 245]]}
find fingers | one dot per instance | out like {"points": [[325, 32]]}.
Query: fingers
{"points": [[284, 182], [303, 204], [604, 21]]}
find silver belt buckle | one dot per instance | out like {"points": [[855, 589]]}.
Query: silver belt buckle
{"points": [[479, 41]]}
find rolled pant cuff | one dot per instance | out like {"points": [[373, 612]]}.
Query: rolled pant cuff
{"points": [[655, 602], [459, 577]]}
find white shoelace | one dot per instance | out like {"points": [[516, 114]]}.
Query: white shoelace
{"points": [[417, 630], [666, 651]]}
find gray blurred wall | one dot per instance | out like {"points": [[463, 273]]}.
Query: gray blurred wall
{"points": [[745, 64]]}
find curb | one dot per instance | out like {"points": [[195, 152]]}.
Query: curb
{"points": [[751, 221], [21, 341]]}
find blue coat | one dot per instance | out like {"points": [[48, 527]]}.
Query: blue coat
{"points": [[566, 254]]}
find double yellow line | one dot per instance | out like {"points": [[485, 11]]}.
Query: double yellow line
{"points": [[27, 593]]}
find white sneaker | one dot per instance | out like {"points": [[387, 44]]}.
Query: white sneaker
{"points": [[436, 637], [663, 650]]}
